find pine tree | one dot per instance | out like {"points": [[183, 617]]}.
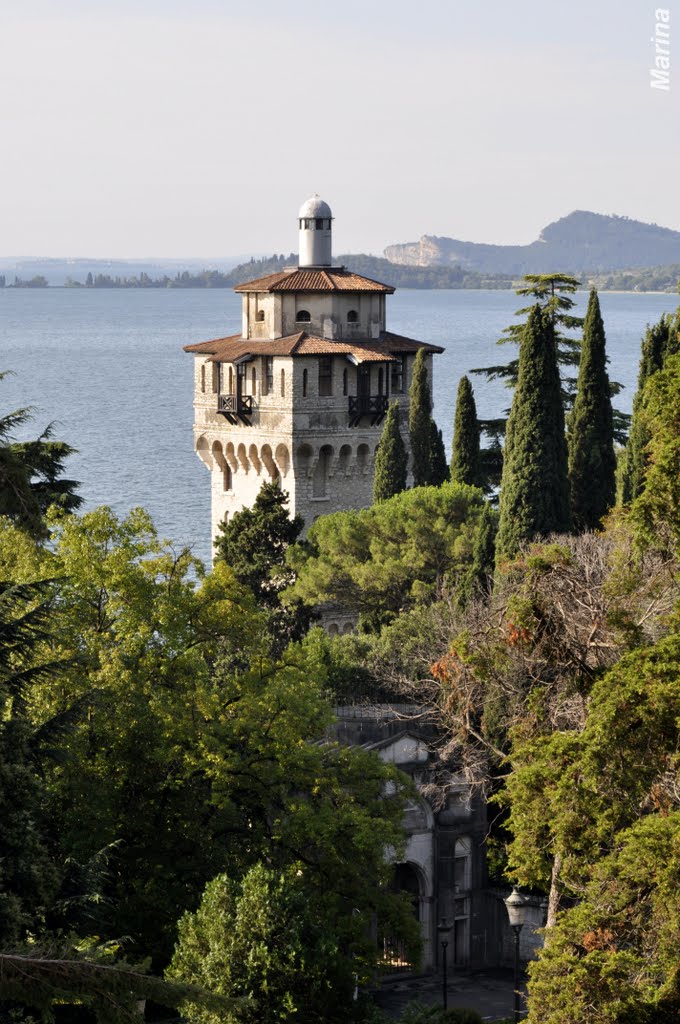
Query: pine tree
{"points": [[391, 460], [465, 467], [427, 445], [535, 487], [31, 474], [660, 341], [254, 543], [592, 463]]}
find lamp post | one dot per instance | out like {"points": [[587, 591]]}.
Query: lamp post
{"points": [[443, 929], [516, 906]]}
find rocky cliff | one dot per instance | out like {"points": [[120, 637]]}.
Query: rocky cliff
{"points": [[581, 241]]}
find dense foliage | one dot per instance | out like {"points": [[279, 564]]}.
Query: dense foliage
{"points": [[170, 793], [172, 746]]}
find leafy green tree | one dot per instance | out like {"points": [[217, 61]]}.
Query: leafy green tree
{"points": [[592, 463], [267, 940], [391, 460], [535, 487], [31, 474], [381, 561], [591, 812], [196, 750], [573, 792], [613, 956], [28, 875], [465, 468], [428, 458], [660, 342]]}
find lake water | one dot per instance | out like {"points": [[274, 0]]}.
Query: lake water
{"points": [[107, 366]]}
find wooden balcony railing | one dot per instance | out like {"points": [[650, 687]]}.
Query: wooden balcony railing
{"points": [[236, 408], [374, 406]]}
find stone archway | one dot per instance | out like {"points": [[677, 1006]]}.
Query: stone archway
{"points": [[407, 878]]}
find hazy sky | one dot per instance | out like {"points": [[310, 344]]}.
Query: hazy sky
{"points": [[198, 128]]}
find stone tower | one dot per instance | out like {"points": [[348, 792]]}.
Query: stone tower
{"points": [[299, 395]]}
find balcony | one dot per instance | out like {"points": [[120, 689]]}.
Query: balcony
{"points": [[374, 406], [236, 408]]}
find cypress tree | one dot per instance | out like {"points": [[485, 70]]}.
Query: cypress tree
{"points": [[391, 460], [660, 341], [427, 445], [465, 467], [592, 463], [439, 467], [535, 486], [420, 410]]}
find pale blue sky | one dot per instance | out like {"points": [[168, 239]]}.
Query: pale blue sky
{"points": [[168, 129]]}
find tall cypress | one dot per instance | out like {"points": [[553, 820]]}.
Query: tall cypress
{"points": [[420, 414], [427, 445], [439, 467], [465, 467], [592, 463], [391, 460], [534, 497], [660, 341]]}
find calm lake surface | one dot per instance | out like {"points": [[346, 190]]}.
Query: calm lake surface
{"points": [[107, 366]]}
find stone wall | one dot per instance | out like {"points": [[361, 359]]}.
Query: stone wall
{"points": [[296, 435]]}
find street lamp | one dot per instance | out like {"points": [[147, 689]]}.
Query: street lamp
{"points": [[516, 906], [444, 928]]}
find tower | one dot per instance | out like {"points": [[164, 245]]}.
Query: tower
{"points": [[299, 395]]}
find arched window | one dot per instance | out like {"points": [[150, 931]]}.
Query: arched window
{"points": [[304, 383], [226, 478], [352, 317], [325, 376], [303, 316], [259, 316], [283, 383], [321, 471], [203, 377], [344, 382]]}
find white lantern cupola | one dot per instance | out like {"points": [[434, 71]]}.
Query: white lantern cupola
{"points": [[315, 233]]}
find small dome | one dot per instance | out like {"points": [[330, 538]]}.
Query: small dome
{"points": [[315, 207]]}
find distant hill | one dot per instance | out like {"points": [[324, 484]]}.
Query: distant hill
{"points": [[59, 271], [582, 242]]}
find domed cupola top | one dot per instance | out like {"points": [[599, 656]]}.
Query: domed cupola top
{"points": [[315, 219], [315, 206]]}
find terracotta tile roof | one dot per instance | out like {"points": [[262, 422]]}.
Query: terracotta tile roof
{"points": [[235, 348], [335, 279], [398, 343], [209, 346]]}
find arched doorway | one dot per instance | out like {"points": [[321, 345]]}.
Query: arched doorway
{"points": [[406, 880]]}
